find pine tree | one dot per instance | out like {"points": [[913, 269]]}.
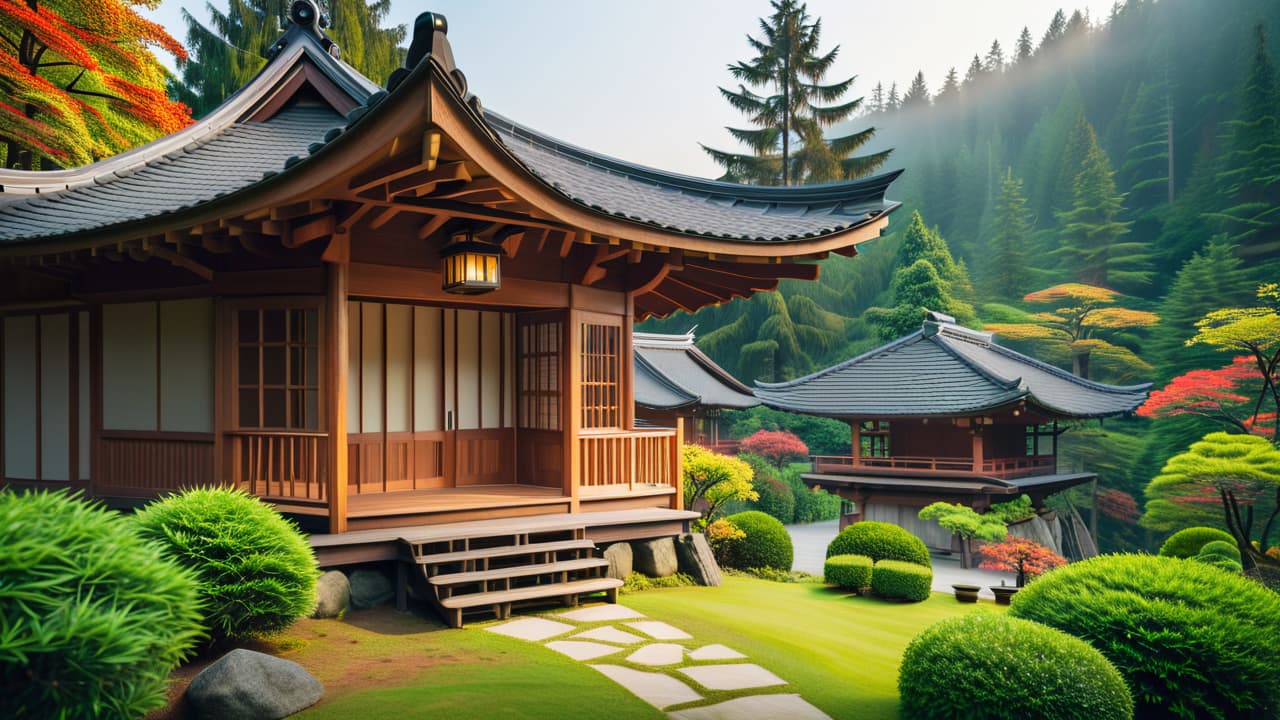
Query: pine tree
{"points": [[1077, 26], [787, 64], [1006, 256], [1212, 278], [1145, 171], [950, 87], [79, 82], [993, 63], [916, 288], [1025, 48], [893, 102], [917, 94], [1091, 229], [974, 74], [357, 27], [1053, 34], [1250, 174], [877, 99]]}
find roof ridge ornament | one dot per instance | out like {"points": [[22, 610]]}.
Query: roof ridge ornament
{"points": [[431, 39], [306, 16]]}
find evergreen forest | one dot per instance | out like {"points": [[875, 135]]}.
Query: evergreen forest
{"points": [[1134, 157]]}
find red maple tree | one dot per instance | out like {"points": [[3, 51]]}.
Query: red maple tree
{"points": [[1226, 395], [1118, 505], [79, 81], [1020, 555], [776, 446]]}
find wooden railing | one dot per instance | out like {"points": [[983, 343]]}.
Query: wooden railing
{"points": [[281, 464], [995, 467], [629, 460], [143, 464]]}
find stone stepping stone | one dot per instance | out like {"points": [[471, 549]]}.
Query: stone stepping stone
{"points": [[534, 629], [659, 630], [657, 654], [755, 707], [715, 652], [654, 688], [582, 650], [601, 613], [738, 676], [609, 634]]}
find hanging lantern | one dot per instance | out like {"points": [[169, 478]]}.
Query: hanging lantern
{"points": [[470, 267]]}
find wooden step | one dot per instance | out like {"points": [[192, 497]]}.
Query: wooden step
{"points": [[500, 597], [504, 551], [460, 578]]}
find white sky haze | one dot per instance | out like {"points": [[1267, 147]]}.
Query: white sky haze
{"points": [[637, 80]]}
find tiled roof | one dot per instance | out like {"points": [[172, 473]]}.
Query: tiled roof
{"points": [[690, 205], [671, 373], [944, 370]]}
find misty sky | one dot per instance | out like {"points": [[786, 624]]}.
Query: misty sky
{"points": [[638, 80]]}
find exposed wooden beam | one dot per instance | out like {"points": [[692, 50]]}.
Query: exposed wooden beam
{"points": [[644, 279], [431, 148], [310, 230], [473, 212], [425, 181], [300, 209], [216, 244], [351, 218], [433, 225], [184, 262], [537, 237], [384, 217]]}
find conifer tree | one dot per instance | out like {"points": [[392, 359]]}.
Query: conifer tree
{"points": [[357, 27], [1006, 257], [927, 278], [1214, 277], [1250, 174], [78, 82], [1145, 171], [1077, 26], [993, 63], [1053, 34], [1091, 229], [1025, 47], [877, 99], [788, 65], [950, 87], [917, 95], [893, 102], [974, 74]]}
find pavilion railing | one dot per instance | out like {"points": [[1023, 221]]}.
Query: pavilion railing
{"points": [[281, 464], [994, 467], [626, 461]]}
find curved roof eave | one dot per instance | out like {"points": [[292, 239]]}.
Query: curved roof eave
{"points": [[996, 403]]}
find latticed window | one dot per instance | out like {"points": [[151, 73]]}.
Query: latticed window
{"points": [[278, 368], [874, 436], [539, 365], [601, 376], [1040, 440]]}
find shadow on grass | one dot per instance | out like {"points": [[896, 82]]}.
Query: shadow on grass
{"points": [[385, 621]]}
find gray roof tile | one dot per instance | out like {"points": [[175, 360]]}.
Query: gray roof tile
{"points": [[671, 373]]}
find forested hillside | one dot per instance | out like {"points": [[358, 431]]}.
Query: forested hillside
{"points": [[1138, 152]]}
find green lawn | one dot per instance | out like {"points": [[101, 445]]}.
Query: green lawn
{"points": [[840, 652]]}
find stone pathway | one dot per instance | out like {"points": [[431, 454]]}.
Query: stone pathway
{"points": [[664, 665]]}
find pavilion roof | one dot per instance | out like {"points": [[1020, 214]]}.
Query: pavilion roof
{"points": [[945, 369], [671, 373]]}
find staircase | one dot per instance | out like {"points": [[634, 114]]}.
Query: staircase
{"points": [[490, 571]]}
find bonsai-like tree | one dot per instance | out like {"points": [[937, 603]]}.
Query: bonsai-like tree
{"points": [[1027, 558], [965, 522], [788, 64], [776, 446], [1229, 395], [713, 480]]}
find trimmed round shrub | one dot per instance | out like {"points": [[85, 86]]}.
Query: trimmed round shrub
{"points": [[1187, 543], [987, 666], [92, 617], [775, 499], [1191, 640], [848, 571], [1220, 549], [765, 543], [880, 541], [901, 580], [257, 572]]}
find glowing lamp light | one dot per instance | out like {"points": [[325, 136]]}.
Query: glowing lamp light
{"points": [[470, 267]]}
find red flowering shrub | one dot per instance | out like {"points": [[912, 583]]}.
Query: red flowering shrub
{"points": [[1118, 505], [1020, 555], [776, 446]]}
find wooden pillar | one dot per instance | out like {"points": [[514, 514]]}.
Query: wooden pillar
{"points": [[977, 450], [572, 394], [677, 464], [336, 392], [856, 427], [627, 367], [95, 397]]}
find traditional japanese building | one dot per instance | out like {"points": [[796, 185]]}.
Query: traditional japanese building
{"points": [[374, 308], [677, 385], [946, 414]]}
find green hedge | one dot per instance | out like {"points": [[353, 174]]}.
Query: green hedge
{"points": [[880, 541], [987, 666], [811, 505], [767, 543], [901, 580], [1191, 640], [92, 617], [848, 571], [775, 500], [1187, 543], [1220, 548], [257, 572]]}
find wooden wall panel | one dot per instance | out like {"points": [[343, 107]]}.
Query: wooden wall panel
{"points": [[55, 397], [145, 464], [20, 447], [129, 367], [541, 458], [484, 457], [186, 365]]}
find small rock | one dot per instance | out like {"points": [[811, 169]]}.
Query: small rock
{"points": [[620, 560], [656, 558], [697, 560], [333, 595], [248, 685], [370, 588]]}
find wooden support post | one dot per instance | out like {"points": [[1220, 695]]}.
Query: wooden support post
{"points": [[677, 464], [855, 426], [977, 451], [572, 376], [336, 405]]}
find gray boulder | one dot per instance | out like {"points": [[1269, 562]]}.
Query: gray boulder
{"points": [[620, 560], [656, 558], [248, 685], [333, 595], [697, 560], [370, 588]]}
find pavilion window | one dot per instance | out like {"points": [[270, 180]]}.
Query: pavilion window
{"points": [[538, 403], [601, 376], [874, 436], [1041, 440], [277, 368]]}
